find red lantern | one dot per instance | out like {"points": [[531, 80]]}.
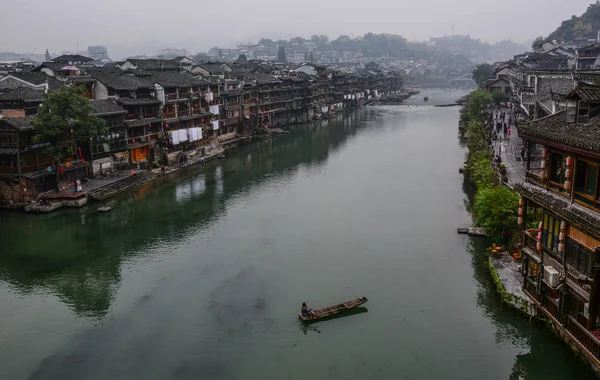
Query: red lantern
{"points": [[561, 236], [563, 225], [538, 246], [567, 185], [521, 202], [541, 225], [520, 220], [520, 211], [569, 161], [568, 173], [561, 247], [542, 175], [543, 164], [539, 236], [544, 153]]}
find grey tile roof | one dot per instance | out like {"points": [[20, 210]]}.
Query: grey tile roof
{"points": [[71, 57], [176, 79], [137, 101], [587, 93], [26, 94], [121, 82], [577, 215], [107, 107], [154, 64], [19, 123], [553, 129]]}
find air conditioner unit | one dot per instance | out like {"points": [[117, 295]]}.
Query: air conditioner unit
{"points": [[551, 277]]}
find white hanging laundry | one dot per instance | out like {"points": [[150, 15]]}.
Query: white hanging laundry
{"points": [[182, 135], [190, 134], [214, 110], [174, 137], [199, 131], [215, 124]]}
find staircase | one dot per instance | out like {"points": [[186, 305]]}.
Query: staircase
{"points": [[121, 186]]}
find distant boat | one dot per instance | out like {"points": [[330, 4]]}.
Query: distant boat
{"points": [[330, 311], [426, 98]]}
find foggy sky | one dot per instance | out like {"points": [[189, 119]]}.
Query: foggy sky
{"points": [[142, 26]]}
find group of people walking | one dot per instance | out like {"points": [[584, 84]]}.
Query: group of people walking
{"points": [[502, 125]]}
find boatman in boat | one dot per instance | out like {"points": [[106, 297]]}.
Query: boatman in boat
{"points": [[307, 311]]}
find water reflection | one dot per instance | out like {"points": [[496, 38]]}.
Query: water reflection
{"points": [[78, 254]]}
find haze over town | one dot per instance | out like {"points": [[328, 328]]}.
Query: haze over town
{"points": [[141, 27]]}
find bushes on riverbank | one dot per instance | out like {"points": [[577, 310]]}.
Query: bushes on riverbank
{"points": [[494, 206]]}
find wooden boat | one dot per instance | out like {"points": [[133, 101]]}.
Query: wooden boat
{"points": [[330, 311], [426, 98]]}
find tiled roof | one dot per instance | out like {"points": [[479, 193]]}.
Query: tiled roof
{"points": [[547, 85], [582, 217], [554, 129], [137, 101], [587, 93], [175, 79], [154, 64], [107, 107], [121, 82], [71, 57], [19, 123], [26, 94]]}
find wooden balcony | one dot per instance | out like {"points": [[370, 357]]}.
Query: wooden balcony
{"points": [[552, 307], [149, 115], [169, 115], [583, 336], [131, 116], [530, 288], [530, 242], [172, 95]]}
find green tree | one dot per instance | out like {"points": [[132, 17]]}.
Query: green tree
{"points": [[66, 118], [537, 43], [482, 73], [581, 29], [499, 97], [201, 57], [496, 210], [281, 54]]}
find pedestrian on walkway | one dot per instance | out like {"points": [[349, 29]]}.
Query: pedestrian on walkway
{"points": [[505, 130], [523, 153], [508, 132]]}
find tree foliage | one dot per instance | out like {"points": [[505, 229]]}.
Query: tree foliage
{"points": [[537, 43], [201, 57], [499, 97], [66, 119], [482, 73], [495, 209], [582, 26]]}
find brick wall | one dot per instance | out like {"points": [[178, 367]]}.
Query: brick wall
{"points": [[9, 190]]}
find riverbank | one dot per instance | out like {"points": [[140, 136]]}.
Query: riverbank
{"points": [[495, 203]]}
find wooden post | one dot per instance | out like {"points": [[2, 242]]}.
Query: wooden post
{"points": [[528, 167], [19, 166], [594, 293]]}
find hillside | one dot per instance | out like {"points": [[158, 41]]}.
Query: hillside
{"points": [[585, 25]]}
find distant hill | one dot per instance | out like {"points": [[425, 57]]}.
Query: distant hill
{"points": [[585, 25], [479, 51]]}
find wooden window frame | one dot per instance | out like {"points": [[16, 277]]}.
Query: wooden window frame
{"points": [[594, 199], [557, 187]]}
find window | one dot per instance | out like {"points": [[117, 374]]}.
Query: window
{"points": [[586, 182], [557, 168], [571, 112], [550, 232], [583, 112], [7, 139], [5, 162]]}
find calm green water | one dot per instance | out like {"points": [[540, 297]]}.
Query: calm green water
{"points": [[202, 277]]}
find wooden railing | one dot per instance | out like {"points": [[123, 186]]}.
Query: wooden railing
{"points": [[149, 115], [131, 116], [531, 242], [169, 115], [552, 307], [531, 289], [172, 95], [583, 336]]}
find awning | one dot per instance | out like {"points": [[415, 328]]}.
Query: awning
{"points": [[121, 155]]}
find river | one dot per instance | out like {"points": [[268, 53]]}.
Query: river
{"points": [[201, 277]]}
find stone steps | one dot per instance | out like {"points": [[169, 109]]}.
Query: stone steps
{"points": [[122, 185]]}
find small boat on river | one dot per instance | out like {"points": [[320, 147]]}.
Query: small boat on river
{"points": [[320, 314]]}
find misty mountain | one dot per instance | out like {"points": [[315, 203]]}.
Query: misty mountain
{"points": [[585, 25]]}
